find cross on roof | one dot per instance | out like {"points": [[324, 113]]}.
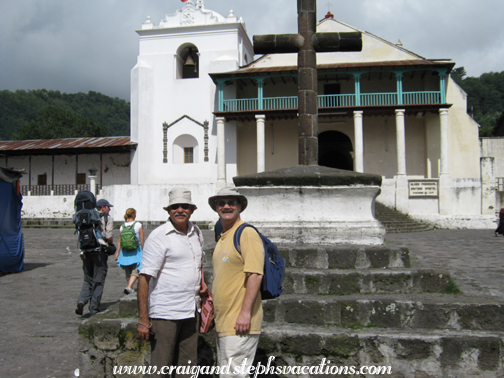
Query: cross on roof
{"points": [[307, 43]]}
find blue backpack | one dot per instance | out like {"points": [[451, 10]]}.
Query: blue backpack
{"points": [[274, 265]]}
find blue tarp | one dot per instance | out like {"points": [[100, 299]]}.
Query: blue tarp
{"points": [[11, 237]]}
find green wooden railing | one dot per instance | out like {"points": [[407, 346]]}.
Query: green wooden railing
{"points": [[333, 101]]}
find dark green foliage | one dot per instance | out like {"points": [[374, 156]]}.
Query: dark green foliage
{"points": [[56, 123], [102, 115], [485, 97]]}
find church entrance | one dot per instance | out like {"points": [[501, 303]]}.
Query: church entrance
{"points": [[334, 150]]}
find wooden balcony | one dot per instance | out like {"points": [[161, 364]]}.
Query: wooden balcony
{"points": [[334, 101]]}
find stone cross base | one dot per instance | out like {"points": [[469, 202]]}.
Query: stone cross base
{"points": [[313, 205]]}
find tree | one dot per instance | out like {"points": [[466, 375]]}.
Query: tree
{"points": [[485, 97], [21, 107], [55, 123], [458, 74]]}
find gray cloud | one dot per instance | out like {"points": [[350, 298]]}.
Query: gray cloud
{"points": [[82, 45]]}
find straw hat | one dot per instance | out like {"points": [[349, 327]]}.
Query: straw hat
{"points": [[229, 191], [180, 195]]}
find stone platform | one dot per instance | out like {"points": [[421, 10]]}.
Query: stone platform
{"points": [[419, 334], [313, 205], [353, 306]]}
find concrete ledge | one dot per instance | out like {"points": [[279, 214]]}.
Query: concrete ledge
{"points": [[308, 175], [425, 353], [419, 311], [344, 282]]}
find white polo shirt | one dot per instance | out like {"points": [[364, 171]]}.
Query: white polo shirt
{"points": [[173, 260]]}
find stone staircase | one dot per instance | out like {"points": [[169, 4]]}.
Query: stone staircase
{"points": [[342, 307], [397, 222]]}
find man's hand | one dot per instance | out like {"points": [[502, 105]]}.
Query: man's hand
{"points": [[242, 323], [204, 289], [143, 331]]}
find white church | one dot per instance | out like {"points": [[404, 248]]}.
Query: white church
{"points": [[205, 109]]}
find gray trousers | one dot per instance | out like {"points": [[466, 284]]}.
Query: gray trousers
{"points": [[95, 271], [175, 343]]}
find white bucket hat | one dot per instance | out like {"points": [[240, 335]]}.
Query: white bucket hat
{"points": [[180, 195], [229, 191]]}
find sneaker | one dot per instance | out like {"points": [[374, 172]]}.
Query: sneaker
{"points": [[80, 308], [128, 291]]}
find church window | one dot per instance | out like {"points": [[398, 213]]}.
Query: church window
{"points": [[188, 155], [185, 150], [42, 179], [81, 178]]}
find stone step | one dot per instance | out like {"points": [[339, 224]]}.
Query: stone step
{"points": [[417, 311], [363, 281], [338, 257], [422, 353], [354, 281], [108, 340], [397, 222]]}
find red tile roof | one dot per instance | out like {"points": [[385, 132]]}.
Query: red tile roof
{"points": [[105, 143]]}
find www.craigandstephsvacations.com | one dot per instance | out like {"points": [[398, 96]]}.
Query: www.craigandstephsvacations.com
{"points": [[324, 367]]}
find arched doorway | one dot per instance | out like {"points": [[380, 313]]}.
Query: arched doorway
{"points": [[334, 150]]}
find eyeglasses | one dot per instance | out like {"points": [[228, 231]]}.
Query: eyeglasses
{"points": [[231, 203], [184, 206]]}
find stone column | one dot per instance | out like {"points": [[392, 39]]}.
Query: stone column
{"points": [[221, 152], [307, 85], [401, 142], [443, 118], [359, 141], [445, 188], [260, 119], [402, 200], [92, 184]]}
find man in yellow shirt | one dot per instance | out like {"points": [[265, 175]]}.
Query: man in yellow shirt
{"points": [[236, 283]]}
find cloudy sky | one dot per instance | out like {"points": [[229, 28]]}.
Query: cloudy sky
{"points": [[82, 45]]}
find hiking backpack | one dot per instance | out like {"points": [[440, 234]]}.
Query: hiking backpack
{"points": [[87, 221], [274, 265], [129, 240]]}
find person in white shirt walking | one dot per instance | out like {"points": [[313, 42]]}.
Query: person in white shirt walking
{"points": [[170, 285]]}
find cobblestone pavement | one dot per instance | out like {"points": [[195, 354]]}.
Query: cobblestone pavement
{"points": [[475, 258], [38, 325]]}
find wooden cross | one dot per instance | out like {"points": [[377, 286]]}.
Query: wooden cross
{"points": [[307, 43]]}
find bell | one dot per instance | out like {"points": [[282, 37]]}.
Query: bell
{"points": [[189, 61]]}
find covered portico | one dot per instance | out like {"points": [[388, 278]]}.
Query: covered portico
{"points": [[396, 88]]}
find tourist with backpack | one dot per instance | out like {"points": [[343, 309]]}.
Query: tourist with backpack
{"points": [[129, 248], [94, 226], [237, 277]]}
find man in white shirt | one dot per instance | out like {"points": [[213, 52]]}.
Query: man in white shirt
{"points": [[170, 285]]}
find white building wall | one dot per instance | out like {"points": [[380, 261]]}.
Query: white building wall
{"points": [[115, 168], [220, 47], [464, 151]]}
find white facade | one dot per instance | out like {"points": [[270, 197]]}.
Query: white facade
{"points": [[161, 95], [185, 138]]}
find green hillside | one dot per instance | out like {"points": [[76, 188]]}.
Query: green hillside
{"points": [[30, 115]]}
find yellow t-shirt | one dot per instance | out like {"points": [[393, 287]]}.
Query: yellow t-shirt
{"points": [[230, 272]]}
